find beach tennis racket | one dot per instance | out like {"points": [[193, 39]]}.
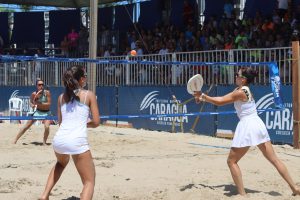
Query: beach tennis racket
{"points": [[194, 84], [201, 108]]}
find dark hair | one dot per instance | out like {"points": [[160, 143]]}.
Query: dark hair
{"points": [[37, 80], [36, 83], [249, 73], [71, 79]]}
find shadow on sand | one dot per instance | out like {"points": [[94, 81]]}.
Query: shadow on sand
{"points": [[230, 190], [72, 198]]}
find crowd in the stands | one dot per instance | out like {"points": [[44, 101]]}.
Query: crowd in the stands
{"points": [[227, 32]]}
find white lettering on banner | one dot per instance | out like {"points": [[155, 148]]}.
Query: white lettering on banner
{"points": [[280, 121], [162, 107], [276, 81]]}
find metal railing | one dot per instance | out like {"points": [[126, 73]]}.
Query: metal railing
{"points": [[24, 73]]}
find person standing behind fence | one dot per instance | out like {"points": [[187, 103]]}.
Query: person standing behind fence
{"points": [[73, 42], [74, 106], [250, 131], [40, 102]]}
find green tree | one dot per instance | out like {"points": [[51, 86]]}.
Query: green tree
{"points": [[6, 10]]}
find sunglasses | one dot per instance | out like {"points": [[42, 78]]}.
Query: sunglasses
{"points": [[40, 84]]}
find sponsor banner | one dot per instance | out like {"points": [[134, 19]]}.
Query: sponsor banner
{"points": [[158, 100], [24, 93], [279, 123], [276, 85], [107, 100], [106, 97]]}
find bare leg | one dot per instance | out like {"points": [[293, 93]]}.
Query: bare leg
{"points": [[234, 156], [23, 130], [55, 173], [268, 151], [46, 132], [86, 169]]}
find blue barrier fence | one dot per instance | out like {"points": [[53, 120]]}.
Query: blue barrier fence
{"points": [[153, 108]]}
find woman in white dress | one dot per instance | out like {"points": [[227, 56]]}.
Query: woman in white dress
{"points": [[250, 131], [74, 107]]}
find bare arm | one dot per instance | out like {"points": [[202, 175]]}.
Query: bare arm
{"points": [[32, 100], [59, 109], [95, 121], [236, 95]]}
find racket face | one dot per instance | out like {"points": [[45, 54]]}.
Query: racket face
{"points": [[195, 84]]}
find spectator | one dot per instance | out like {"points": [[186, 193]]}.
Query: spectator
{"points": [[108, 52], [37, 65], [132, 41], [279, 42], [127, 51], [241, 40], [83, 42], [73, 41], [139, 49], [268, 25], [188, 13], [104, 36], [164, 50], [282, 8], [64, 45], [228, 8], [228, 43], [1, 45]]}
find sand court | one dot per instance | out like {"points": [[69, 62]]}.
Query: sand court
{"points": [[138, 164]]}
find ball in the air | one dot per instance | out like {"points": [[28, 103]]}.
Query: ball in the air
{"points": [[133, 52]]}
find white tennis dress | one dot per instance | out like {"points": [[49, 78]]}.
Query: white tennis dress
{"points": [[71, 137], [251, 130]]}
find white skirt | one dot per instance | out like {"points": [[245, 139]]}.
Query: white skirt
{"points": [[250, 131], [70, 145]]}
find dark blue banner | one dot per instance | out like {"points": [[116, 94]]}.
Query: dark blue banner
{"points": [[24, 93], [107, 100], [158, 100]]}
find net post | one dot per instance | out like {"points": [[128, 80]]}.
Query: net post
{"points": [[296, 93], [93, 44]]}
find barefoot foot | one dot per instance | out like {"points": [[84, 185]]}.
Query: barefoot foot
{"points": [[296, 192]]}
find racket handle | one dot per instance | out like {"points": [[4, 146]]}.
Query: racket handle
{"points": [[174, 98]]}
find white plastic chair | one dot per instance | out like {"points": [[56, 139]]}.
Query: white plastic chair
{"points": [[16, 107]]}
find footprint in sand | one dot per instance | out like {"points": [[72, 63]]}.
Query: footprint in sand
{"points": [[9, 166], [105, 164], [7, 186]]}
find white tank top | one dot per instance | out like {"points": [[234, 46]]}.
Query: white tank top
{"points": [[245, 108], [74, 118]]}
